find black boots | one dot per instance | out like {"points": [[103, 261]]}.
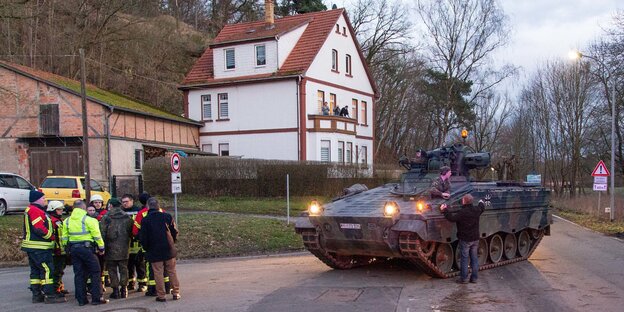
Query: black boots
{"points": [[142, 287], [123, 292], [115, 294], [37, 295], [55, 299]]}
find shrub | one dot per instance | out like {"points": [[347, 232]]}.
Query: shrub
{"points": [[219, 176]]}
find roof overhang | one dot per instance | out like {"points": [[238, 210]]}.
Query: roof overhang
{"points": [[240, 80]]}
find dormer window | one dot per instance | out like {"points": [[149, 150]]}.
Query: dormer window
{"points": [[260, 55], [334, 60], [230, 59]]}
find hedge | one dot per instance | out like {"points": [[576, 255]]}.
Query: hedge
{"points": [[219, 176]]}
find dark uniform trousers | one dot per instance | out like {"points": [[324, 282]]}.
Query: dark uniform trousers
{"points": [[118, 272], [41, 270], [136, 263], [59, 269], [86, 265]]}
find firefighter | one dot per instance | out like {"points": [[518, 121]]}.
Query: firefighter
{"points": [[136, 260], [55, 212], [151, 282], [97, 203], [38, 243], [81, 234]]}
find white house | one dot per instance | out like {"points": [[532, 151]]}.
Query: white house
{"points": [[259, 89]]}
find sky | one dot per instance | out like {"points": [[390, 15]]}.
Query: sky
{"points": [[548, 29], [542, 30]]}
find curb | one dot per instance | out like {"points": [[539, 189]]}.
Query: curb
{"points": [[566, 220]]}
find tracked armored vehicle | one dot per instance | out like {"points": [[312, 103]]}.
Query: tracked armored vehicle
{"points": [[402, 220]]}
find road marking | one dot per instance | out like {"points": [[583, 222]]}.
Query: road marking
{"points": [[566, 220]]}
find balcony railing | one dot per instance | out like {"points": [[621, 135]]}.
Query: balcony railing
{"points": [[332, 123]]}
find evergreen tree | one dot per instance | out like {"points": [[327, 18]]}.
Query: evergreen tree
{"points": [[292, 7]]}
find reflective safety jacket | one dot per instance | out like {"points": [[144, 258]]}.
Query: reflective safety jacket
{"points": [[57, 225], [38, 230], [135, 246], [139, 218], [79, 227]]}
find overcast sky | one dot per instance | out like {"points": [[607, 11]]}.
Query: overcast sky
{"points": [[550, 28]]}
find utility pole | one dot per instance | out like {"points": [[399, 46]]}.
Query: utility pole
{"points": [[85, 130]]}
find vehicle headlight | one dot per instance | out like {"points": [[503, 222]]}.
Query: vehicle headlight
{"points": [[421, 206], [315, 209], [391, 209]]}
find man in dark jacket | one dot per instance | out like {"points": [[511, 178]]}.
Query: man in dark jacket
{"points": [[467, 219], [157, 236], [136, 261], [116, 228]]}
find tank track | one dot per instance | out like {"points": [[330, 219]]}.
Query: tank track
{"points": [[410, 246], [312, 243]]}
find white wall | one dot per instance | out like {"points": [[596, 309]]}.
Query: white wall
{"points": [[282, 146], [268, 105], [122, 156], [322, 64], [245, 60], [287, 42]]}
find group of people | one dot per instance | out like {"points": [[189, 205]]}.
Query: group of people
{"points": [[343, 112], [107, 245]]}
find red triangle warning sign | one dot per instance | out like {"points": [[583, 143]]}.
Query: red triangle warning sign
{"points": [[600, 170]]}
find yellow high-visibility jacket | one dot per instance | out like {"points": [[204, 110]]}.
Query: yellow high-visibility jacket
{"points": [[79, 227]]}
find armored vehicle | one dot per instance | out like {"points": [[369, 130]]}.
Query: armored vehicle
{"points": [[402, 220]]}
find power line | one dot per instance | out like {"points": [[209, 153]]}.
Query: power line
{"points": [[133, 74]]}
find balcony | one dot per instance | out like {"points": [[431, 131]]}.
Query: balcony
{"points": [[332, 123]]}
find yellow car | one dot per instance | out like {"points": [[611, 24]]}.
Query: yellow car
{"points": [[68, 189]]}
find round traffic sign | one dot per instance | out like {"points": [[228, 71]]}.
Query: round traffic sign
{"points": [[175, 162]]}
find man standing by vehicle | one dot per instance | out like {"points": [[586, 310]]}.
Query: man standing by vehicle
{"points": [[158, 235], [116, 228], [55, 211], [441, 186], [38, 243], [82, 235], [467, 219]]}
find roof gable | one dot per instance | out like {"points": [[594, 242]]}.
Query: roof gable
{"points": [[95, 94]]}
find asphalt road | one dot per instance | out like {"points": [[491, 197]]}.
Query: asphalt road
{"points": [[572, 270]]}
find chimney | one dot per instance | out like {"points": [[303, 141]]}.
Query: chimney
{"points": [[268, 11]]}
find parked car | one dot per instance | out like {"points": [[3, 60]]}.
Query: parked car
{"points": [[14, 192], [68, 189]]}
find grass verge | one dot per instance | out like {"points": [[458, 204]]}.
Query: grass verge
{"points": [[243, 205], [201, 236], [597, 224]]}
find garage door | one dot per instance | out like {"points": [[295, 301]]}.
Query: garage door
{"points": [[54, 161]]}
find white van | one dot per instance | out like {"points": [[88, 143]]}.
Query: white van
{"points": [[14, 193]]}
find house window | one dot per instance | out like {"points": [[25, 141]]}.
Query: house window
{"points": [[138, 159], [341, 152], [337, 28], [344, 31], [207, 148], [348, 152], [321, 99], [334, 60], [325, 150], [230, 59], [332, 101], [224, 149], [364, 155], [223, 106], [49, 119], [206, 107], [260, 55], [354, 109], [348, 64], [364, 113]]}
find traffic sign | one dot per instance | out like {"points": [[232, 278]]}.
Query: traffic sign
{"points": [[600, 180], [175, 162], [600, 170], [176, 188], [600, 187], [176, 177]]}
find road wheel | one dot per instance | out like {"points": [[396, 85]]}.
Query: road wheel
{"points": [[444, 257], [524, 243], [510, 246], [496, 248], [3, 207], [482, 252]]}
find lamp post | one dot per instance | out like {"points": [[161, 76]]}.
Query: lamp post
{"points": [[577, 55]]}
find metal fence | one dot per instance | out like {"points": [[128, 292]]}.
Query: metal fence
{"points": [[127, 184]]}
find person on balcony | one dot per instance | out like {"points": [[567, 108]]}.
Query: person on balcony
{"points": [[325, 109]]}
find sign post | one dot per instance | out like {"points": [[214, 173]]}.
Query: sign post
{"points": [[600, 175], [176, 182]]}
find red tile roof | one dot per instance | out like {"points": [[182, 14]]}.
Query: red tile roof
{"points": [[320, 25]]}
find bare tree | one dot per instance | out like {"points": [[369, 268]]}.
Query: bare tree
{"points": [[461, 36]]}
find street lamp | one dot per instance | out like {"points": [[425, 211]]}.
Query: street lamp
{"points": [[577, 55]]}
